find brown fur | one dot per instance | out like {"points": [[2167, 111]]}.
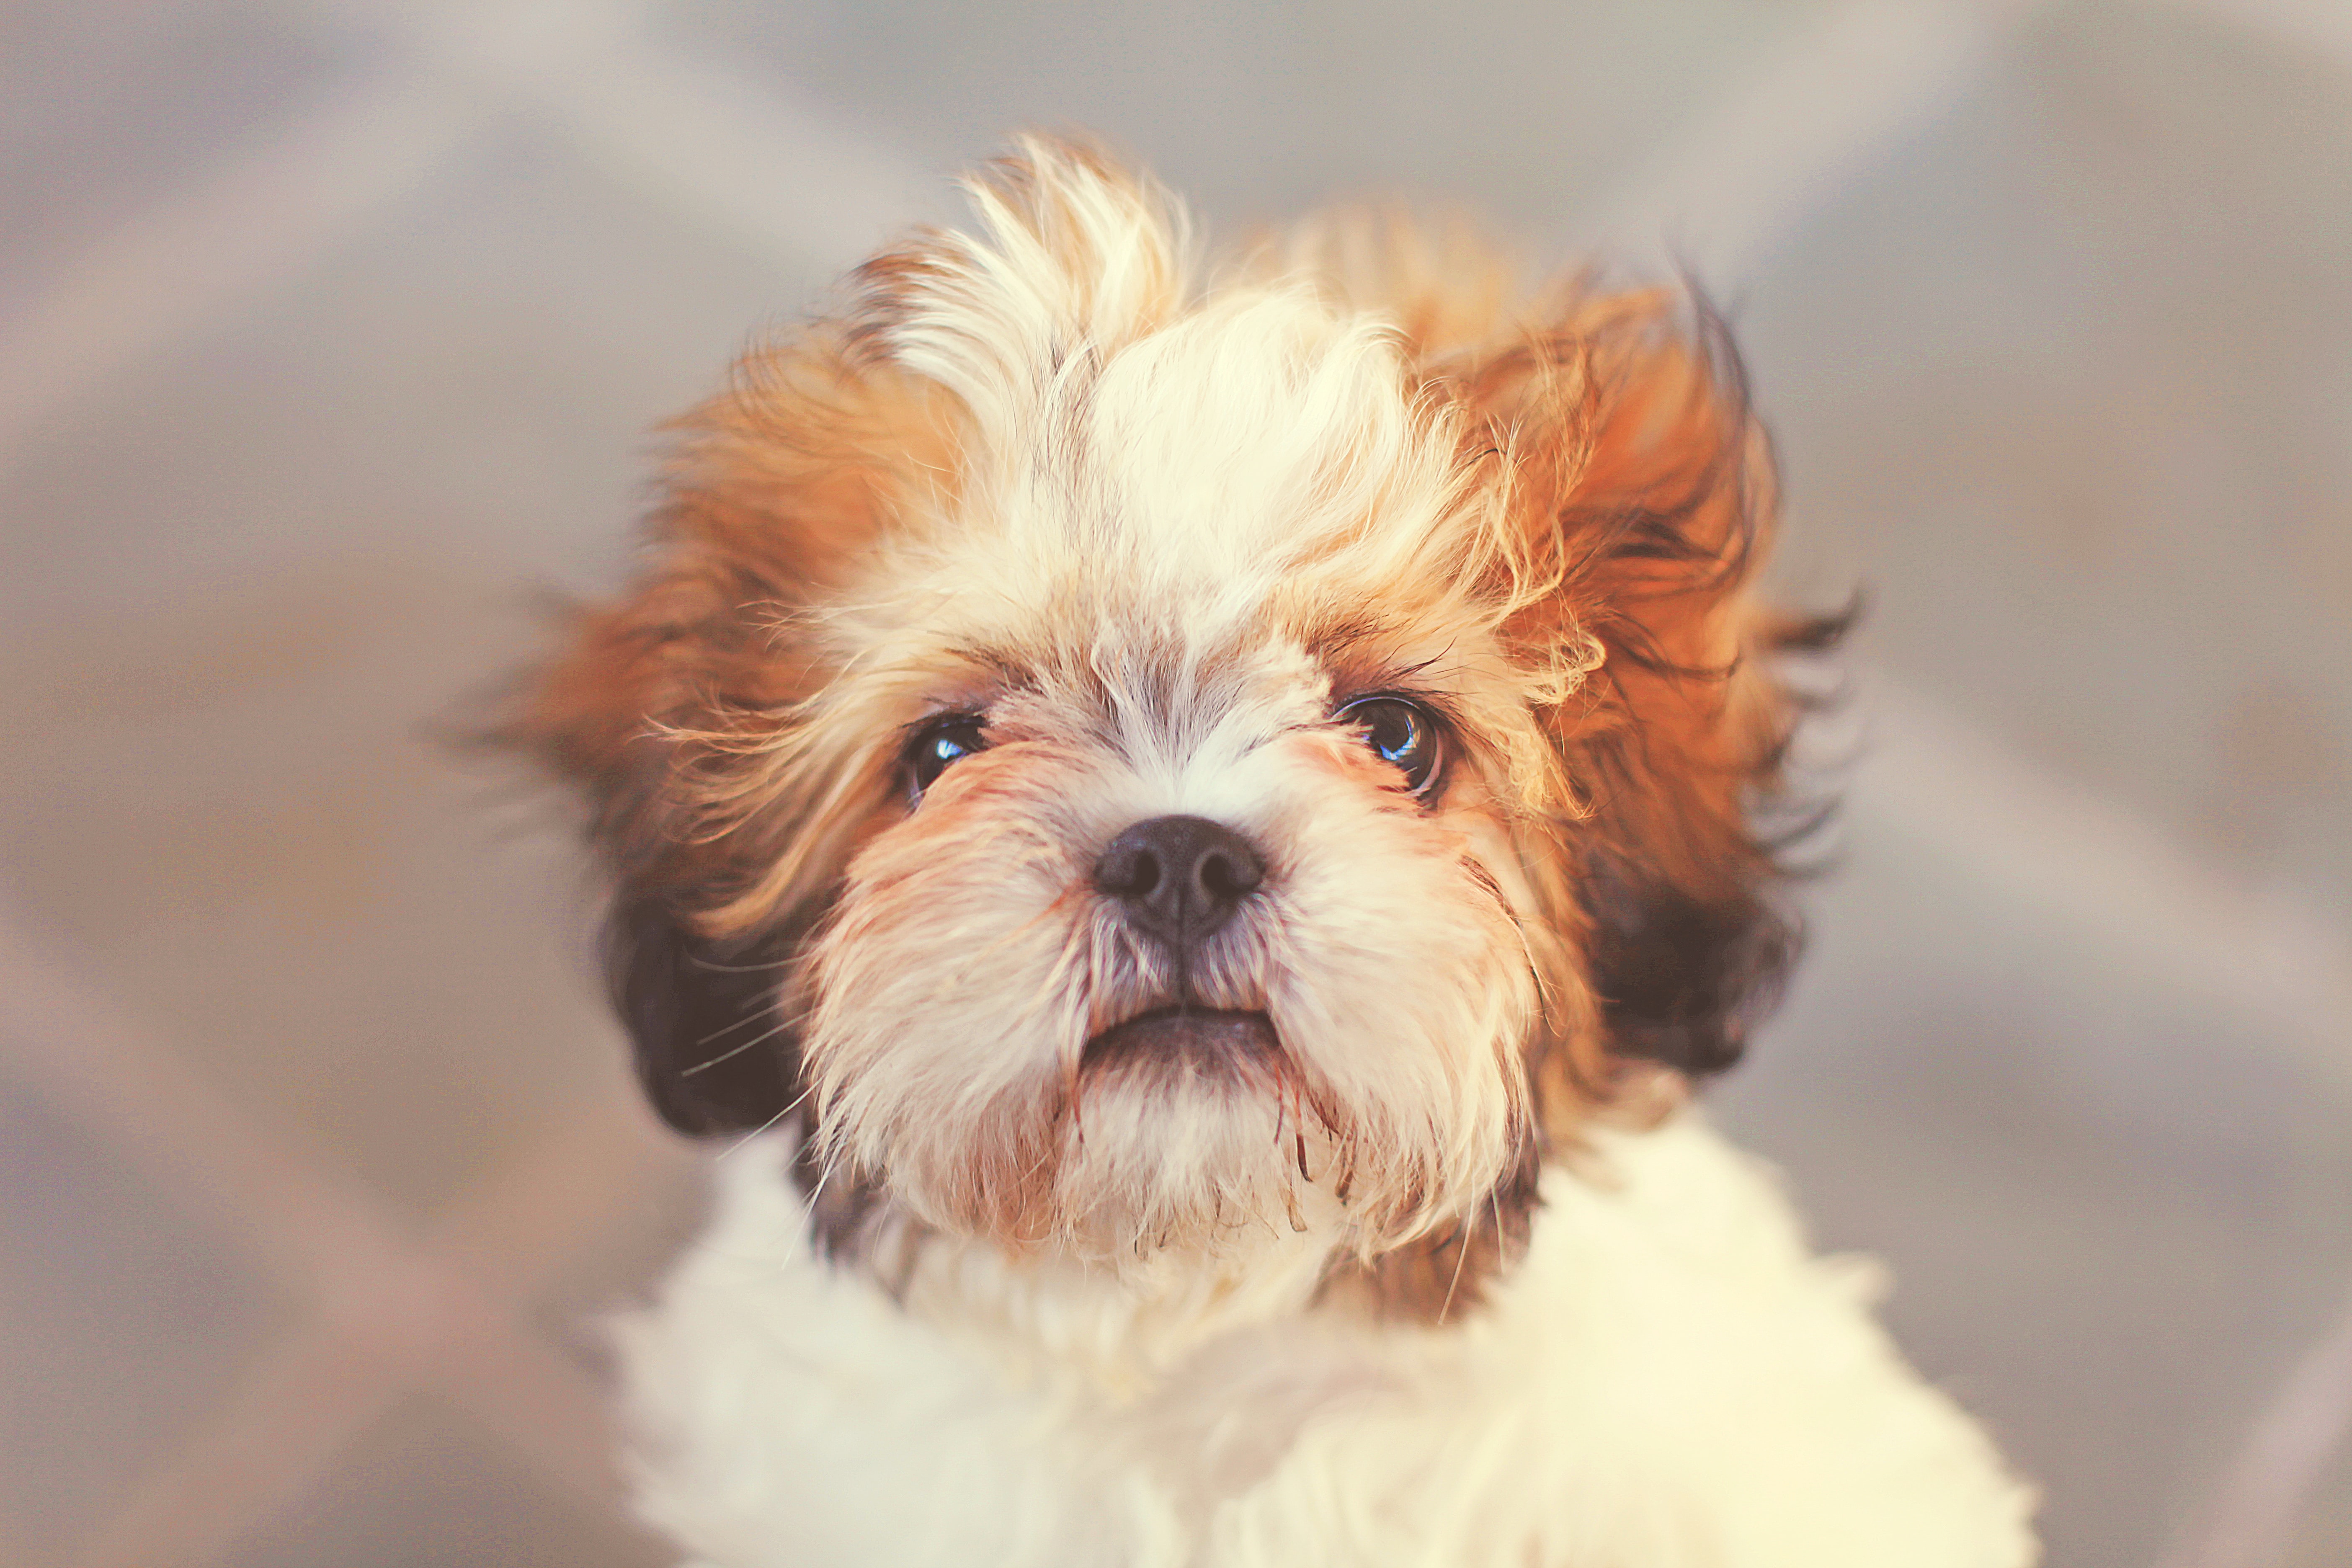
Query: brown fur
{"points": [[1609, 435]]}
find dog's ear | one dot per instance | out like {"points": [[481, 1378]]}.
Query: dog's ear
{"points": [[714, 1049], [1681, 979], [666, 706], [1643, 495], [625, 715]]}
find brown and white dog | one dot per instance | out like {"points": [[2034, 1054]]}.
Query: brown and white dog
{"points": [[1202, 821]]}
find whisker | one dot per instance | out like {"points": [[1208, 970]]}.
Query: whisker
{"points": [[753, 1017], [783, 1027], [766, 1126], [1462, 1236], [823, 1178], [717, 968]]}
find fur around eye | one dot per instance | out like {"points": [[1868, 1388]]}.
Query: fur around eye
{"points": [[940, 744], [1400, 732]]}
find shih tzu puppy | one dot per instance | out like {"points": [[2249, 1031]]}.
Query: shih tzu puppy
{"points": [[1195, 824]]}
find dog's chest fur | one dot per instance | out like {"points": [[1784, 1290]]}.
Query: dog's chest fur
{"points": [[1667, 1381]]}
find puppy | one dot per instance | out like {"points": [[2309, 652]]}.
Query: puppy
{"points": [[1194, 825]]}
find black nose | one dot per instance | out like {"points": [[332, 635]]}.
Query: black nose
{"points": [[1181, 877]]}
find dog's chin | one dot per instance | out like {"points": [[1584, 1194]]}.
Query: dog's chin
{"points": [[1184, 1130], [1183, 1136]]}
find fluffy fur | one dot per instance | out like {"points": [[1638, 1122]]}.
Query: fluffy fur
{"points": [[1663, 1381], [1416, 1260]]}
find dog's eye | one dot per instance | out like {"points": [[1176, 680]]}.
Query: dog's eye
{"points": [[941, 742], [1404, 733]]}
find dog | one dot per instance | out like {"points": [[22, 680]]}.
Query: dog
{"points": [[1194, 823]]}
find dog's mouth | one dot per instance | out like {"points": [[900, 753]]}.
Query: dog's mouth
{"points": [[1200, 1038]]}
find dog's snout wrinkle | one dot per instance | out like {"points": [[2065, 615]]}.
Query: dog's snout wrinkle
{"points": [[1179, 878]]}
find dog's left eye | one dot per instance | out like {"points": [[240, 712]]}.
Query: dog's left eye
{"points": [[941, 742], [1402, 733]]}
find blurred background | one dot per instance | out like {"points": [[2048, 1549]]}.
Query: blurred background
{"points": [[332, 335]]}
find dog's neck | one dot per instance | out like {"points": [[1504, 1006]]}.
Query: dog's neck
{"points": [[1122, 1322], [1120, 1326]]}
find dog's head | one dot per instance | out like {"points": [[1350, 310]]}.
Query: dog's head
{"points": [[1126, 759]]}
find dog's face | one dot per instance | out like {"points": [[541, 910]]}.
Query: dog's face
{"points": [[1131, 764]]}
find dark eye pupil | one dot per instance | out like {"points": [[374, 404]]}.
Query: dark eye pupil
{"points": [[1400, 733], [1395, 736], [942, 743]]}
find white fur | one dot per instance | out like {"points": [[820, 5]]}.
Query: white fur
{"points": [[1083, 1320], [1667, 1381]]}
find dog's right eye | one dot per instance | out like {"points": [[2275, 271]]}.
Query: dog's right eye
{"points": [[941, 742], [1399, 732]]}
